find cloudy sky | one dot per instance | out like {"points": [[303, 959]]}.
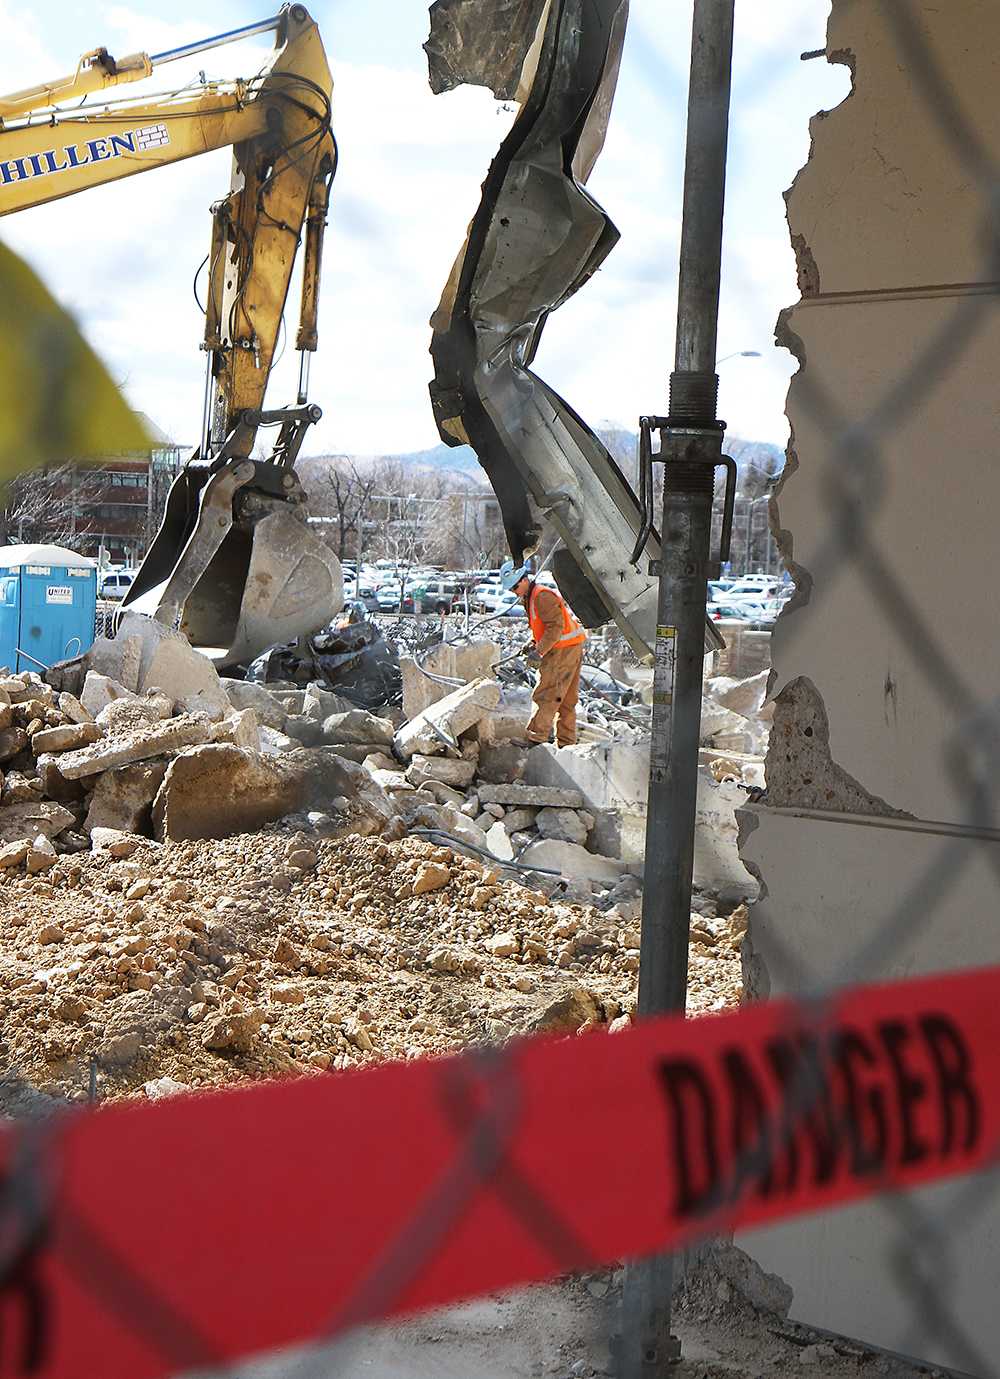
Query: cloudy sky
{"points": [[122, 257]]}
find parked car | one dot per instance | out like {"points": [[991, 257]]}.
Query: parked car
{"points": [[115, 584], [389, 597], [434, 596], [754, 615], [494, 598]]}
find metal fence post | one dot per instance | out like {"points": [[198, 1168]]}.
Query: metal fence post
{"points": [[691, 447]]}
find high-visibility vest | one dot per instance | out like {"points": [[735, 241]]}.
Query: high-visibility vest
{"points": [[573, 633]]}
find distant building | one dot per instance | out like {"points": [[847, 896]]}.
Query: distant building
{"points": [[110, 510]]}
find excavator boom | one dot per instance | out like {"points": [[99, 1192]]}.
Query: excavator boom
{"points": [[234, 564]]}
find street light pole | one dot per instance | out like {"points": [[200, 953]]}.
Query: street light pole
{"points": [[691, 449]]}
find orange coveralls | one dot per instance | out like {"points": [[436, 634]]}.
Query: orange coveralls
{"points": [[559, 638]]}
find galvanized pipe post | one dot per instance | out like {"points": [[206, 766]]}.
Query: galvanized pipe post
{"points": [[691, 447]]}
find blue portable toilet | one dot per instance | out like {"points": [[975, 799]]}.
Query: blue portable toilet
{"points": [[48, 605]]}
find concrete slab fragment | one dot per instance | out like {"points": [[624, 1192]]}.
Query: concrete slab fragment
{"points": [[123, 798], [466, 661], [444, 721], [540, 795], [155, 740]]}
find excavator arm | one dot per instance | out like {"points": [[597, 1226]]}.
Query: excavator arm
{"points": [[537, 237], [234, 564]]}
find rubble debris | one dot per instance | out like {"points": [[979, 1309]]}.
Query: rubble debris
{"points": [[285, 953], [357, 727], [502, 763], [153, 740], [213, 790], [423, 770], [19, 821], [565, 825], [123, 798], [454, 662], [551, 854], [350, 654], [444, 721], [539, 795]]}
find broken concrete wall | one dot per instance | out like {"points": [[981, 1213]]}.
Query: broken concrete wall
{"points": [[886, 654], [613, 779]]}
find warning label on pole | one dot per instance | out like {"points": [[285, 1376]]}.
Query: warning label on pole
{"points": [[141, 1240]]}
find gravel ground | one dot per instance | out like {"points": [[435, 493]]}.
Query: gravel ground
{"points": [[273, 954]]}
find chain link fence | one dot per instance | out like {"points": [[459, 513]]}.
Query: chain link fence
{"points": [[481, 1095]]}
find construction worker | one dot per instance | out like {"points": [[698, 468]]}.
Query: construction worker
{"points": [[558, 638]]}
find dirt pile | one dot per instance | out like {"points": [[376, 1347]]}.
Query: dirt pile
{"points": [[280, 952]]}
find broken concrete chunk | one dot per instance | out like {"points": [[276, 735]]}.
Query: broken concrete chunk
{"points": [[128, 672], [20, 688], [218, 789], [380, 761], [155, 740], [320, 703], [572, 860], [745, 697], [115, 842], [54, 786], [21, 789], [358, 726], [123, 798], [452, 661], [444, 794], [448, 770], [566, 1014], [509, 719], [274, 743], [12, 742], [499, 844], [431, 876], [66, 738], [71, 707], [18, 821], [133, 711], [517, 820], [502, 763], [241, 727], [41, 857], [443, 722], [466, 830], [13, 854], [170, 663], [565, 825], [530, 795], [99, 691], [306, 731], [247, 694]]}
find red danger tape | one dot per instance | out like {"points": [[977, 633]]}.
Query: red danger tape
{"points": [[143, 1240]]}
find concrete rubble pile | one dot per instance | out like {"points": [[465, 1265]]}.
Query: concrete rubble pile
{"points": [[143, 738], [209, 879], [189, 964]]}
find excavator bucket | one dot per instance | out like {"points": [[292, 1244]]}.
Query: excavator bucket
{"points": [[235, 565]]}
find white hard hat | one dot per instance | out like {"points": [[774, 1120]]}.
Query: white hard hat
{"points": [[511, 574]]}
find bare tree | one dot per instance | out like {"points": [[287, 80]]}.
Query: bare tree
{"points": [[476, 537], [51, 505], [409, 517], [340, 489]]}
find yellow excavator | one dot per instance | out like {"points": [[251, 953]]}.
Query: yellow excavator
{"points": [[234, 564]]}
